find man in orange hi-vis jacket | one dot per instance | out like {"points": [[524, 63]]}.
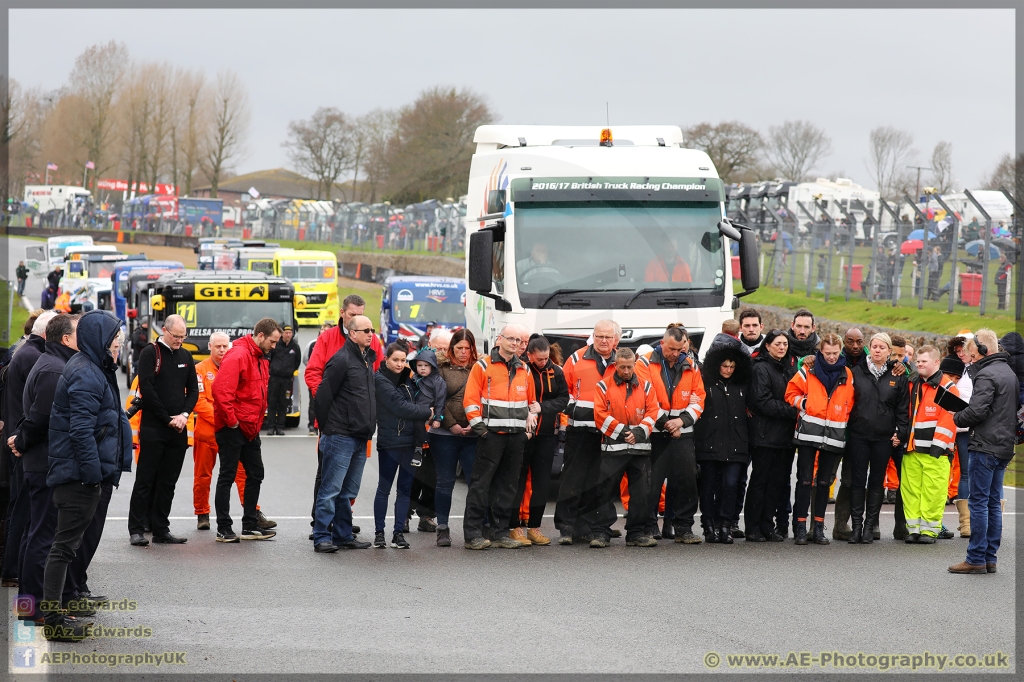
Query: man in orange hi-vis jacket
{"points": [[204, 452], [625, 409]]}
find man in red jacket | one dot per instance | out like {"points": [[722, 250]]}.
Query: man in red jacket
{"points": [[327, 344], [239, 404]]}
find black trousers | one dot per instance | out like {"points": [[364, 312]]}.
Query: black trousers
{"points": [[900, 517], [603, 513], [581, 471], [499, 456], [741, 492], [161, 455], [316, 483], [719, 482], [277, 401], [78, 571], [310, 412], [232, 448], [17, 519], [805, 479], [537, 460], [674, 459], [862, 454], [769, 466], [76, 506], [37, 540], [421, 499], [782, 482]]}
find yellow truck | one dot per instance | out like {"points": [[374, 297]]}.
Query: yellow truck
{"points": [[314, 275]]}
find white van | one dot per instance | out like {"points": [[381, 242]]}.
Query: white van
{"points": [[42, 258]]}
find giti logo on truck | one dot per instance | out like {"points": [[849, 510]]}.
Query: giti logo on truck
{"points": [[231, 292]]}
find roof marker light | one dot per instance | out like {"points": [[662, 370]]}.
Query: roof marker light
{"points": [[606, 137]]}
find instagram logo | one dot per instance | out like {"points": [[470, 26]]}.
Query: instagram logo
{"points": [[24, 605]]}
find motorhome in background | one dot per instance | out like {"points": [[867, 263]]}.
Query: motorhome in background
{"points": [[571, 225], [831, 197], [41, 258], [45, 198]]}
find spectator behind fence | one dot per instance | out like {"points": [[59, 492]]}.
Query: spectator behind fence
{"points": [[992, 415]]}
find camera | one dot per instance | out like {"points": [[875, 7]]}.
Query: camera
{"points": [[134, 407]]}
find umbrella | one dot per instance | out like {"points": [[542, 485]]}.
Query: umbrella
{"points": [[974, 248], [911, 246], [919, 235], [1007, 245]]}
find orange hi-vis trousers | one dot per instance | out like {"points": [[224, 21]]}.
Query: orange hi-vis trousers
{"points": [[205, 455]]}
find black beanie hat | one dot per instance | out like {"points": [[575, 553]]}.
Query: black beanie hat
{"points": [[952, 365]]}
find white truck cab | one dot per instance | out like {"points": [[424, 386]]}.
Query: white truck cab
{"points": [[571, 225]]}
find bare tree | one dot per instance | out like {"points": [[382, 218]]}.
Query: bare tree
{"points": [[889, 152], [97, 79], [733, 147], [1008, 173], [161, 121], [322, 147], [194, 116], [229, 128], [136, 125], [373, 130], [942, 167], [431, 152], [795, 147]]}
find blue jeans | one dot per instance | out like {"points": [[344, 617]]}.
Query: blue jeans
{"points": [[447, 452], [963, 489], [986, 478], [340, 476], [391, 462]]}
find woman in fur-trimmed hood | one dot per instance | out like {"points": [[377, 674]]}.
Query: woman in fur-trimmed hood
{"points": [[721, 438]]}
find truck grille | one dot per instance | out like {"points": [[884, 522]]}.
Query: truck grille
{"points": [[315, 299]]}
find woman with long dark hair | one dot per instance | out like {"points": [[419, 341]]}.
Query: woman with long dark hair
{"points": [[397, 415], [771, 437], [455, 442], [552, 393]]}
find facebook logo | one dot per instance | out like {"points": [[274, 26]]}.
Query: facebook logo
{"points": [[24, 657], [24, 633]]}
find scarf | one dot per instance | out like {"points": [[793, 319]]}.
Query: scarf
{"points": [[828, 374], [876, 371], [798, 348]]}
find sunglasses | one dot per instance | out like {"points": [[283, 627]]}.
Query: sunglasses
{"points": [[368, 330]]}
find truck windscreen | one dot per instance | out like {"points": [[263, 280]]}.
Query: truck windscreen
{"points": [[101, 269], [448, 312], [622, 246], [234, 317], [308, 272]]}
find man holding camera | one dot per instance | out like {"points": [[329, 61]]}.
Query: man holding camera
{"points": [[167, 382]]}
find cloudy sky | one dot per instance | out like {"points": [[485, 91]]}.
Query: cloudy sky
{"points": [[940, 74]]}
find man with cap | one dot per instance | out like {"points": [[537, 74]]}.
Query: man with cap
{"points": [[285, 360]]}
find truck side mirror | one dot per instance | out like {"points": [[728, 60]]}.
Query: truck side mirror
{"points": [[481, 245], [496, 201], [751, 276]]}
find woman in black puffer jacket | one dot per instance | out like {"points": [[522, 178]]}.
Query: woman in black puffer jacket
{"points": [[396, 418], [771, 432], [721, 439]]}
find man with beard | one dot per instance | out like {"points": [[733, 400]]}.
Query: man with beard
{"points": [[803, 337], [751, 329], [853, 347]]}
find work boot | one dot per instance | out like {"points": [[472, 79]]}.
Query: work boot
{"points": [[710, 535], [565, 538], [519, 536], [856, 501], [819, 533], [642, 541], [844, 505], [426, 525], [263, 523], [724, 533], [668, 531], [477, 543], [536, 537], [506, 542], [926, 540], [946, 534], [964, 567], [687, 537], [444, 537], [203, 522], [964, 513], [62, 629], [800, 533], [736, 531], [599, 542]]}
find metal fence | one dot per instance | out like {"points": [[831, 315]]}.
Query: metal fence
{"points": [[925, 264]]}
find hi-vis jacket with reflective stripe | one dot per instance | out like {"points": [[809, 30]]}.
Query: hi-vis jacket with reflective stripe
{"points": [[823, 417], [498, 395], [933, 431], [582, 372], [622, 406], [673, 388]]}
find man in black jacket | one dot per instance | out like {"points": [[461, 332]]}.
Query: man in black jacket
{"points": [[31, 443], [285, 359], [803, 337], [992, 414], [140, 339], [346, 411], [17, 373], [169, 390]]}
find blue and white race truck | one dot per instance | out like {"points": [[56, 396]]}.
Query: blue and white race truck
{"points": [[410, 303]]}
